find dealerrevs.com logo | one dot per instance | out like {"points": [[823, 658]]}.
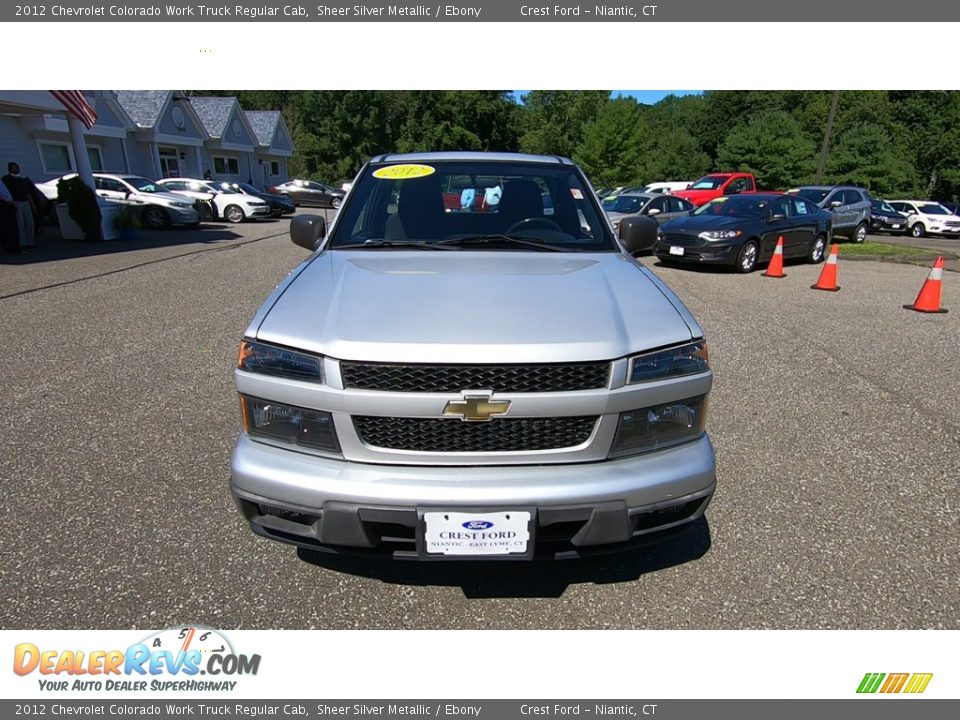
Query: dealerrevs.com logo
{"points": [[173, 659]]}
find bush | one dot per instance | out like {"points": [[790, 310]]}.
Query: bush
{"points": [[125, 219]]}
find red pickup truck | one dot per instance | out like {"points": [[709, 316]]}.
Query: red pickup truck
{"points": [[716, 184]]}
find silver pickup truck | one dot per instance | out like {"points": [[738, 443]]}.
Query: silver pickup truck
{"points": [[470, 365]]}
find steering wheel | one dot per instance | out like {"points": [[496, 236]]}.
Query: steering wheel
{"points": [[531, 223]]}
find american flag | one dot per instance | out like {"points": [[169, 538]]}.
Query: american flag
{"points": [[78, 105]]}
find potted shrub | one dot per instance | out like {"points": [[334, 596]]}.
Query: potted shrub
{"points": [[126, 223], [82, 209]]}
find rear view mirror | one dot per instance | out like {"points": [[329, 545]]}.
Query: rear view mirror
{"points": [[638, 234], [308, 231]]}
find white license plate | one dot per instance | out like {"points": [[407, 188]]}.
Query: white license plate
{"points": [[494, 533], [896, 226], [674, 250]]}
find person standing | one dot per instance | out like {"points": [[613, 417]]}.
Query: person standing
{"points": [[9, 227], [20, 189]]}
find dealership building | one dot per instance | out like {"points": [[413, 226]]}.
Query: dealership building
{"points": [[153, 133]]}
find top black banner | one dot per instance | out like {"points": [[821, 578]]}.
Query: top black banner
{"points": [[484, 11]]}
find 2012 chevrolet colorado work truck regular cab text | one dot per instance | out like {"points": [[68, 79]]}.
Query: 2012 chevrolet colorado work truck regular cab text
{"points": [[498, 380]]}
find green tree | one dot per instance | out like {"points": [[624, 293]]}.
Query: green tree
{"points": [[612, 144], [930, 121], [772, 146], [553, 120], [865, 154]]}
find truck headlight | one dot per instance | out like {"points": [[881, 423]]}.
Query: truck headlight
{"points": [[289, 424], [720, 234], [684, 360], [280, 362], [660, 426]]}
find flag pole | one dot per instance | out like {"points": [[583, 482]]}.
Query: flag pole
{"points": [[79, 141]]}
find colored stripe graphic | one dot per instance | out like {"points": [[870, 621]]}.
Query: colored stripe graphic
{"points": [[894, 682], [870, 682], [918, 682]]}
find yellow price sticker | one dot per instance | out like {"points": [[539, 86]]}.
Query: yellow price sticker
{"points": [[403, 172]]}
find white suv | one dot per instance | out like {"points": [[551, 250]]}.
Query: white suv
{"points": [[228, 204], [927, 217]]}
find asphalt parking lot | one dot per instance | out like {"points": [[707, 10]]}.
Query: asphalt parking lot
{"points": [[834, 416]]}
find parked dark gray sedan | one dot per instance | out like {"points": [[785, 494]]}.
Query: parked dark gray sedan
{"points": [[743, 231], [310, 193]]}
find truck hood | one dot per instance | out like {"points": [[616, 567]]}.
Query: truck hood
{"points": [[698, 197], [464, 306]]}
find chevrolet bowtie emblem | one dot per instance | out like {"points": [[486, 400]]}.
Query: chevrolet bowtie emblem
{"points": [[476, 408]]}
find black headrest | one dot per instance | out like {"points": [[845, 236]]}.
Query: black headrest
{"points": [[521, 199]]}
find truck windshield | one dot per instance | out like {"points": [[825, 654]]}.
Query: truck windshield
{"points": [[710, 182], [437, 201]]}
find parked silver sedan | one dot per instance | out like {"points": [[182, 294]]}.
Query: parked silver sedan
{"points": [[656, 205]]}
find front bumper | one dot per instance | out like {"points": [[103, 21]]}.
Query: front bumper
{"points": [[348, 507], [888, 226], [721, 252], [183, 216], [258, 211]]}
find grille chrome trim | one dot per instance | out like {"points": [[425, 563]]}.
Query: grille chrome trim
{"points": [[532, 378], [437, 435]]}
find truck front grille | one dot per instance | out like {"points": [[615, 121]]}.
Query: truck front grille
{"points": [[501, 435], [454, 378]]}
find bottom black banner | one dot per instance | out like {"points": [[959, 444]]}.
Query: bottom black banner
{"points": [[867, 708]]}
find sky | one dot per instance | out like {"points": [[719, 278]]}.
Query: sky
{"points": [[648, 97]]}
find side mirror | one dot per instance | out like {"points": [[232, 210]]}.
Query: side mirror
{"points": [[777, 216], [308, 231], [654, 211], [638, 234], [731, 191], [835, 204]]}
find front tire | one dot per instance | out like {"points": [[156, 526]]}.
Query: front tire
{"points": [[747, 257], [234, 214], [860, 234], [156, 218], [918, 230], [817, 250]]}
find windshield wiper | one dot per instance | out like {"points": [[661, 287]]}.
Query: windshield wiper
{"points": [[399, 244], [500, 238]]}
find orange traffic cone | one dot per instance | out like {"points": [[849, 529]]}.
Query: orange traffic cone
{"points": [[775, 268], [928, 300], [828, 276]]}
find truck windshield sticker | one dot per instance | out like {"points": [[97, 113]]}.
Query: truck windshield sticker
{"points": [[403, 172]]}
